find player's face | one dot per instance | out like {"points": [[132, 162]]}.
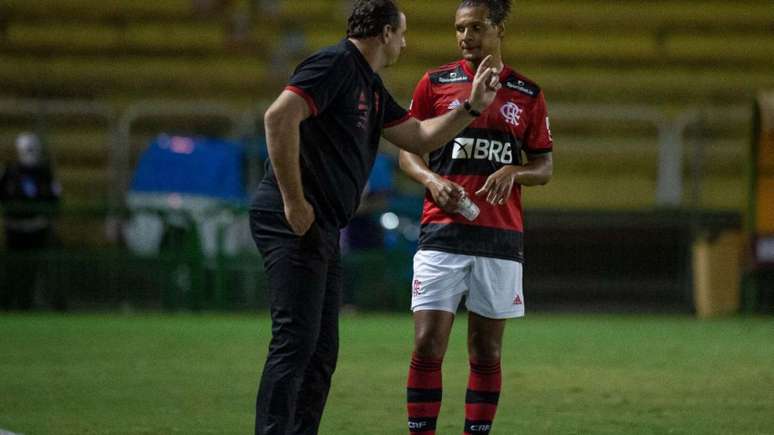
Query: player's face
{"points": [[396, 41], [477, 36]]}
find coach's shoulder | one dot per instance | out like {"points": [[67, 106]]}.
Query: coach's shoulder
{"points": [[319, 59], [332, 54], [328, 60], [519, 83]]}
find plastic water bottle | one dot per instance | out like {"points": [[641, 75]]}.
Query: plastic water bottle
{"points": [[468, 208]]}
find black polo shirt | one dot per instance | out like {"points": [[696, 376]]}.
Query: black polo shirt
{"points": [[349, 107]]}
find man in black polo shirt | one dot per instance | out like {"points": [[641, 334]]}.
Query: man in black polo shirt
{"points": [[323, 133]]}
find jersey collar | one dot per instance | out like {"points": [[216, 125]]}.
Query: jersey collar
{"points": [[504, 73]]}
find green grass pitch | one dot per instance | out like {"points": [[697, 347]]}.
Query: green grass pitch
{"points": [[563, 374]]}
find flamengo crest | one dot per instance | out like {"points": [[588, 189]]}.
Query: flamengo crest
{"points": [[417, 287], [511, 112]]}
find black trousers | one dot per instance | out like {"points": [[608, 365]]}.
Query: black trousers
{"points": [[304, 286]]}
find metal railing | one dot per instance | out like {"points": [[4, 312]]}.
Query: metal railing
{"points": [[245, 125], [184, 277]]}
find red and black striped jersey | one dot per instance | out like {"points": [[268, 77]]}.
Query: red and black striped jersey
{"points": [[516, 123]]}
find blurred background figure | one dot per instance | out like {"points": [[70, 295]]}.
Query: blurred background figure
{"points": [[29, 193]]}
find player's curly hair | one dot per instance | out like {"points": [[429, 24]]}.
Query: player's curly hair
{"points": [[498, 9], [370, 16]]}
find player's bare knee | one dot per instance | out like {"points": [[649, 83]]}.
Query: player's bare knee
{"points": [[429, 345], [484, 349]]}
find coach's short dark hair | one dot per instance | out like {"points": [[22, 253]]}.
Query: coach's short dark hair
{"points": [[370, 16], [498, 9]]}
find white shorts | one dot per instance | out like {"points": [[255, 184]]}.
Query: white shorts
{"points": [[493, 286]]}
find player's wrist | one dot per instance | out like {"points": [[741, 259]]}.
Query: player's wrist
{"points": [[514, 171], [430, 179]]}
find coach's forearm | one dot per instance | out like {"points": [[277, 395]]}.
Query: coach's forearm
{"points": [[435, 132], [422, 137], [283, 143]]}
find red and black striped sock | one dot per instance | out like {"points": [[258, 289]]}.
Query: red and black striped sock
{"points": [[482, 396], [423, 394]]}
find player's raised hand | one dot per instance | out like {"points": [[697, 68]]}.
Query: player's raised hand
{"points": [[446, 194], [486, 83], [498, 186], [300, 216]]}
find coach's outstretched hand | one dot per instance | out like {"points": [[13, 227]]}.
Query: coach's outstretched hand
{"points": [[486, 83]]}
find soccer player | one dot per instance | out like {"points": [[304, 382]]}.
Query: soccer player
{"points": [[323, 133], [479, 258]]}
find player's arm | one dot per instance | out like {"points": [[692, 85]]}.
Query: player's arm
{"points": [[421, 137], [540, 164], [446, 194], [282, 120], [537, 171]]}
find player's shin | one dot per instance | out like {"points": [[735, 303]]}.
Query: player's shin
{"points": [[423, 395], [482, 396]]}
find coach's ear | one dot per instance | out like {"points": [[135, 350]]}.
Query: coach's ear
{"points": [[501, 30], [387, 31]]}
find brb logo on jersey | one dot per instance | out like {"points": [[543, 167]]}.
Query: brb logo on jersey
{"points": [[511, 112], [482, 149]]}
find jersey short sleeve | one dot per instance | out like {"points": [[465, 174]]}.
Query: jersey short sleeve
{"points": [[421, 103], [538, 135], [394, 113], [319, 78]]}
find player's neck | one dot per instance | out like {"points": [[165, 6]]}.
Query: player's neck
{"points": [[497, 62], [371, 50]]}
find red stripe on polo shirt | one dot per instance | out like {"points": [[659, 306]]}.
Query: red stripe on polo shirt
{"points": [[308, 98]]}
